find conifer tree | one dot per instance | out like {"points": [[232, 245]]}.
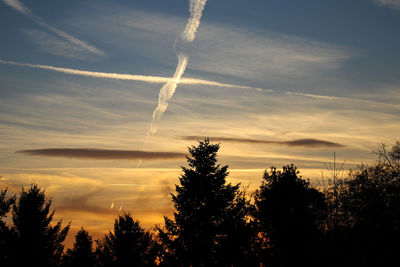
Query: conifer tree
{"points": [[38, 242], [82, 254], [204, 205], [128, 245]]}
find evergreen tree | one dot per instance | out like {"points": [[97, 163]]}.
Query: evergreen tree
{"points": [[82, 254], [6, 234], [205, 212], [127, 245], [38, 242], [290, 214]]}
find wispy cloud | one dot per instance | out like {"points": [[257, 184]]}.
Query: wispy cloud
{"points": [[55, 45], [101, 154], [309, 142], [17, 5], [83, 202], [389, 3]]}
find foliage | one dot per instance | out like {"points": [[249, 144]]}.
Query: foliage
{"points": [[127, 245], [209, 212], [354, 221], [6, 234], [290, 214], [82, 254], [38, 242]]}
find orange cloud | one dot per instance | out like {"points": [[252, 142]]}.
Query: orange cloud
{"points": [[309, 142], [93, 153]]}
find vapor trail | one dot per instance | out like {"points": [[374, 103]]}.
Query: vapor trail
{"points": [[167, 91], [196, 10], [18, 6], [130, 77]]}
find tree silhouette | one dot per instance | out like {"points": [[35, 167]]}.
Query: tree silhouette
{"points": [[127, 245], [372, 199], [6, 234], [205, 205], [38, 242], [290, 214], [82, 254]]}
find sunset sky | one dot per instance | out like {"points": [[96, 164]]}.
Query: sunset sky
{"points": [[274, 82]]}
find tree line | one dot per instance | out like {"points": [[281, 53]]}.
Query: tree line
{"points": [[286, 222]]}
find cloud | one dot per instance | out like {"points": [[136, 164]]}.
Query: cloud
{"points": [[55, 45], [390, 3], [82, 202], [309, 142], [17, 5], [101, 154]]}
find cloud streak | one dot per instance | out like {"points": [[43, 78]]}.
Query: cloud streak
{"points": [[18, 6], [102, 154], [390, 3], [308, 142], [132, 77]]}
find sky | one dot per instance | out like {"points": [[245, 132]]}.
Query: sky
{"points": [[99, 100]]}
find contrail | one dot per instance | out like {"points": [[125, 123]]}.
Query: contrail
{"points": [[17, 5], [188, 81], [131, 77], [167, 91], [196, 8]]}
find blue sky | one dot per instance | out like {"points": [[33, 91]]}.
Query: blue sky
{"points": [[274, 72]]}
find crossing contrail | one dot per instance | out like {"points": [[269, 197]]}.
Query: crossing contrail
{"points": [[188, 35], [196, 8]]}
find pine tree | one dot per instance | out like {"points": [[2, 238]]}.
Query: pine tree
{"points": [[128, 245], [81, 255], [203, 203], [38, 242]]}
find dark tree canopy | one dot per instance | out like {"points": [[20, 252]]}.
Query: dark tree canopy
{"points": [[38, 242], [290, 213], [6, 234], [128, 245], [82, 254], [204, 206], [372, 202]]}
